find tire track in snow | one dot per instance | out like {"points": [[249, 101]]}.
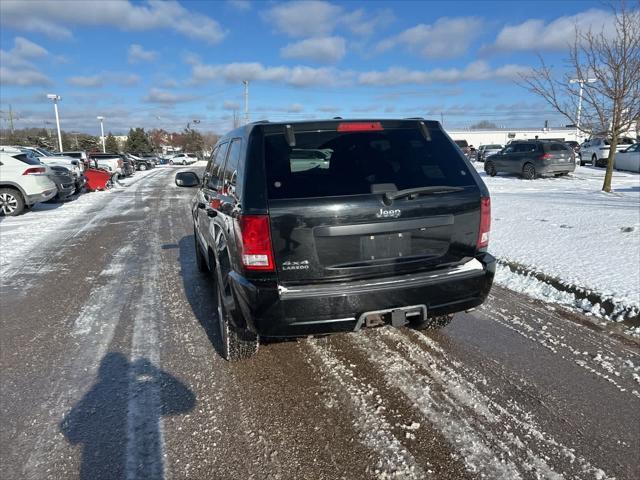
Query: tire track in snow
{"points": [[604, 363], [93, 331], [480, 428], [395, 461]]}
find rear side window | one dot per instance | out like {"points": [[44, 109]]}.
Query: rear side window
{"points": [[231, 167], [216, 166], [558, 147], [26, 158], [332, 163]]}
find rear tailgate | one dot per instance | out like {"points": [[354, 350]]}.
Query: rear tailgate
{"points": [[330, 209]]}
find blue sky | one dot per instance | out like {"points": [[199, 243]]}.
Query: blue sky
{"points": [[163, 64]]}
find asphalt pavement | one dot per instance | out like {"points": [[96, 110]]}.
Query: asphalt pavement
{"points": [[109, 369]]}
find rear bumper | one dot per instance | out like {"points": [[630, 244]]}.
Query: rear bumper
{"points": [[275, 311], [557, 168], [41, 197]]}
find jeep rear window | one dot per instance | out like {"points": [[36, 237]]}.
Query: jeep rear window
{"points": [[331, 163]]}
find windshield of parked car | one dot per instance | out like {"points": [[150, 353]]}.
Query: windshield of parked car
{"points": [[333, 163], [493, 147]]}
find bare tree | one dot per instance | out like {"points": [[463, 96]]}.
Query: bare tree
{"points": [[607, 67]]}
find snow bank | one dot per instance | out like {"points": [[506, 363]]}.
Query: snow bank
{"points": [[569, 229]]}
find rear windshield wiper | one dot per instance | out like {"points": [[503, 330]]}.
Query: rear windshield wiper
{"points": [[414, 192]]}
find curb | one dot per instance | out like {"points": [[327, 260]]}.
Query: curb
{"points": [[631, 316]]}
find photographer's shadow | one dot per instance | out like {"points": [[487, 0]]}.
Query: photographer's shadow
{"points": [[118, 421]]}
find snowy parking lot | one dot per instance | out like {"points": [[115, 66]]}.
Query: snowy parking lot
{"points": [[569, 230], [110, 346]]}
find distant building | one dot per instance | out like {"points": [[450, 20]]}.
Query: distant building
{"points": [[504, 135]]}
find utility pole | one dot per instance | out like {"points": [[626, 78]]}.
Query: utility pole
{"points": [[11, 120], [56, 98], [581, 82], [104, 146], [246, 100], [441, 119]]}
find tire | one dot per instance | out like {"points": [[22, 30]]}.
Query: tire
{"points": [[433, 323], [236, 344], [142, 167], [11, 202], [184, 162], [528, 171], [490, 169], [200, 260]]}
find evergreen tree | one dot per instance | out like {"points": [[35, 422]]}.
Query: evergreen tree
{"points": [[111, 144], [138, 142]]}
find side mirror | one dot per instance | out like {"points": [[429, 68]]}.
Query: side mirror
{"points": [[187, 179]]}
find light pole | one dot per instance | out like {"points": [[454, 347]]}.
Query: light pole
{"points": [[581, 82], [246, 100], [56, 99], [101, 118]]}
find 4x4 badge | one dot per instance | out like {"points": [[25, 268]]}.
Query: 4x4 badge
{"points": [[389, 213], [289, 265]]}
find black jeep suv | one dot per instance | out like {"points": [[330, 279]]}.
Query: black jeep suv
{"points": [[326, 226]]}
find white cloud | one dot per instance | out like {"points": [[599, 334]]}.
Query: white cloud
{"points": [[555, 35], [16, 66], [242, 5], [227, 105], [321, 49], [365, 24], [298, 76], [157, 95], [475, 71], [99, 80], [50, 17], [304, 18], [137, 53], [447, 37]]}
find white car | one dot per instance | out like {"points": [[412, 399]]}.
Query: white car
{"points": [[110, 162], [23, 183], [629, 159], [48, 158], [596, 150], [183, 159]]}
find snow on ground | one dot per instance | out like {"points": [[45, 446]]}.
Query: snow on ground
{"points": [[569, 229], [53, 222]]}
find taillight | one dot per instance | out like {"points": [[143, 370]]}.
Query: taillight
{"points": [[360, 127], [257, 253], [485, 222], [34, 170], [546, 156]]}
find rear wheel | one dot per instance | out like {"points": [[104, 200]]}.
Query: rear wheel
{"points": [[11, 202], [490, 169], [528, 171], [237, 344], [432, 323], [142, 167]]}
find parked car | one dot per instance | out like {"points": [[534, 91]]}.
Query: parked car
{"points": [[51, 159], [143, 163], [531, 159], [108, 161], [64, 180], [392, 228], [464, 146], [629, 159], [485, 151], [596, 150], [183, 159], [23, 183], [80, 155]]}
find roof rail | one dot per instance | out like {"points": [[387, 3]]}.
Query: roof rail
{"points": [[414, 118]]}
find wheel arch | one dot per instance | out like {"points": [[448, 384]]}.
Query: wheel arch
{"points": [[15, 186]]}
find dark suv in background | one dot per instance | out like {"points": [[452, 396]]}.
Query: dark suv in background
{"points": [[326, 226], [532, 158]]}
